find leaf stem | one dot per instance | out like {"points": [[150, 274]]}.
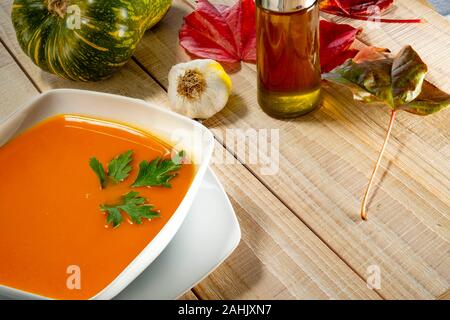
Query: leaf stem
{"points": [[376, 19], [380, 157]]}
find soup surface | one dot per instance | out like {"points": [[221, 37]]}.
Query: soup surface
{"points": [[54, 240]]}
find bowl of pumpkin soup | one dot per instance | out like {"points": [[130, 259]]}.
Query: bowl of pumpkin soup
{"points": [[93, 188]]}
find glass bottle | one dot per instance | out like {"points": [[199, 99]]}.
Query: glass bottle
{"points": [[288, 56]]}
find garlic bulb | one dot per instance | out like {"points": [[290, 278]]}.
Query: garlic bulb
{"points": [[199, 88]]}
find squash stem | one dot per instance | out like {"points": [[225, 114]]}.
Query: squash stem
{"points": [[57, 7], [377, 165]]}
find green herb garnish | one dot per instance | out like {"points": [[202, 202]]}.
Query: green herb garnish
{"points": [[118, 169], [131, 204], [99, 171], [158, 172]]}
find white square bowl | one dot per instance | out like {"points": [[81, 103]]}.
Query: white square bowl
{"points": [[179, 131]]}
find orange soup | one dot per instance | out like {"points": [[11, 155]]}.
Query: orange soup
{"points": [[52, 227]]}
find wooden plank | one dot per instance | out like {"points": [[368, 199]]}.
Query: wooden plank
{"points": [[15, 88], [188, 296], [276, 258], [445, 296], [325, 160], [426, 3], [312, 270]]}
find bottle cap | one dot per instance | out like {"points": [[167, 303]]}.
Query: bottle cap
{"points": [[285, 5]]}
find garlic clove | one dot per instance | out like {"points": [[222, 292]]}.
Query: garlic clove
{"points": [[199, 88]]}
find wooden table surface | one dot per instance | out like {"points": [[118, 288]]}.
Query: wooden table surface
{"points": [[301, 233]]}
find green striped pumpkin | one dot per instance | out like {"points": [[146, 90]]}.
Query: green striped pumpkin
{"points": [[86, 40]]}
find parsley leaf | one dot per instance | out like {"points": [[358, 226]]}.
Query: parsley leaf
{"points": [[118, 169], [133, 205], [158, 172], [99, 171], [114, 216]]}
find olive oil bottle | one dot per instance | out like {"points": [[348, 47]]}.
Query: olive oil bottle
{"points": [[288, 56]]}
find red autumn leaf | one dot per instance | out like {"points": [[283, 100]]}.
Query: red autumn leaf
{"points": [[226, 34], [354, 7], [335, 44], [362, 10]]}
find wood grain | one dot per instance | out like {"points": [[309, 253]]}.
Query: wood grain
{"points": [[445, 296], [281, 253], [12, 81], [325, 161], [188, 296], [276, 259]]}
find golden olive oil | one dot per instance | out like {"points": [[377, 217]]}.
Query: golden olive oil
{"points": [[288, 57]]}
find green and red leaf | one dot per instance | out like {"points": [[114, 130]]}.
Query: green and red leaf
{"points": [[397, 81], [408, 73], [430, 100]]}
